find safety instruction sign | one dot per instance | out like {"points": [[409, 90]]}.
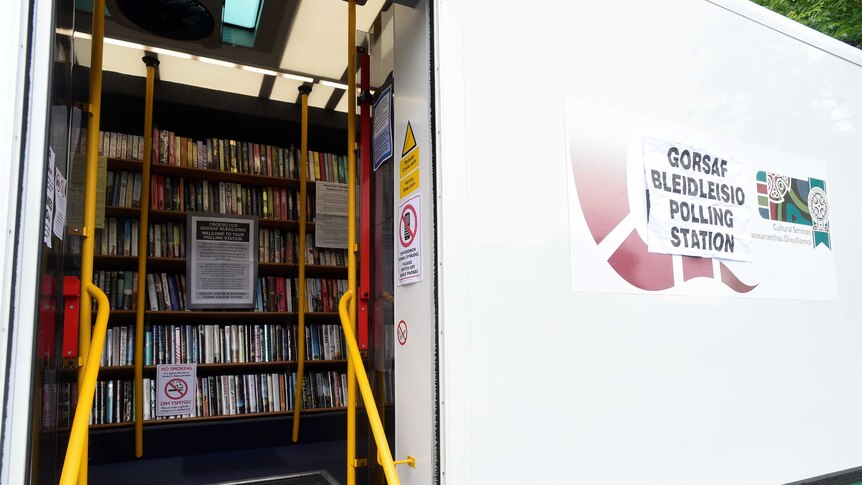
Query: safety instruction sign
{"points": [[409, 165], [176, 389], [410, 242]]}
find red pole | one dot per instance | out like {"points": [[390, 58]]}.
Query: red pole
{"points": [[364, 200]]}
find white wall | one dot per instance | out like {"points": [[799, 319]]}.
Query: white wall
{"points": [[415, 427], [545, 385]]}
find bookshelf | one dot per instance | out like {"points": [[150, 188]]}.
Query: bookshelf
{"points": [[256, 379]]}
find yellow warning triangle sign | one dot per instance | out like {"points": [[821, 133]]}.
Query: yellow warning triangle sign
{"points": [[409, 140]]}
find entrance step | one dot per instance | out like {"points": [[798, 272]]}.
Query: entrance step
{"points": [[305, 478]]}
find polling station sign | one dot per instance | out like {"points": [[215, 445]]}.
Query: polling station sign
{"points": [[697, 201]]}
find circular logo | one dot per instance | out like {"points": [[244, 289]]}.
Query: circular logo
{"points": [[818, 207]]}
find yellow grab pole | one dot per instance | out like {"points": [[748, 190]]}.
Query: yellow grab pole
{"points": [[384, 456], [143, 224], [351, 232], [303, 169], [91, 180], [75, 464]]}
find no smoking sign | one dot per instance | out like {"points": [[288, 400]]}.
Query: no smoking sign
{"points": [[174, 383], [410, 239], [402, 333]]}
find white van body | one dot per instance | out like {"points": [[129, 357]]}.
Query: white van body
{"points": [[555, 368]]}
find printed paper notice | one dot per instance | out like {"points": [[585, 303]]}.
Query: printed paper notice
{"points": [[77, 182], [697, 202], [330, 230], [176, 389], [410, 242], [382, 135], [49, 200], [222, 268], [60, 187]]}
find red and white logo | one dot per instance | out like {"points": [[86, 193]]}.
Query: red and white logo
{"points": [[610, 190]]}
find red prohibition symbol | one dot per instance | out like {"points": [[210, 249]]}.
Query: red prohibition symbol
{"points": [[409, 225], [176, 389], [402, 332]]}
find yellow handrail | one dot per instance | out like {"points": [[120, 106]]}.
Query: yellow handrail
{"points": [[367, 396], [78, 435]]}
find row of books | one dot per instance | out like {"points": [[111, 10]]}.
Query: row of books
{"points": [[231, 395], [67, 400], [196, 195], [119, 237], [111, 144], [224, 155], [123, 189], [221, 395], [166, 292], [245, 157], [121, 288], [222, 344], [327, 167], [276, 246], [275, 294], [113, 402], [119, 348], [220, 154], [322, 294], [218, 344], [228, 344], [166, 240], [323, 256]]}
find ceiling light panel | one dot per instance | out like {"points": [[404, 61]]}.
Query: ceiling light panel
{"points": [[342, 105], [318, 39], [285, 90], [115, 58], [319, 96], [209, 76]]}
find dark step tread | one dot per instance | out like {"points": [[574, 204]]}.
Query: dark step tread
{"points": [[305, 478]]}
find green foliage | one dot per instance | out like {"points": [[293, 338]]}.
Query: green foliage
{"points": [[841, 19]]}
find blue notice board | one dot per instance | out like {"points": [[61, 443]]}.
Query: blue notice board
{"points": [[382, 141]]}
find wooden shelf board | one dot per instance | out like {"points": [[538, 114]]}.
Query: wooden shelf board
{"points": [[129, 316], [116, 164], [198, 419], [115, 211], [232, 366], [130, 263]]}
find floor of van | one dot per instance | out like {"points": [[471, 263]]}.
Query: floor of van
{"points": [[233, 466]]}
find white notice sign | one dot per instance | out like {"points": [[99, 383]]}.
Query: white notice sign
{"points": [[410, 242], [382, 135], [330, 205], [699, 201], [176, 389], [49, 200], [60, 187], [222, 267]]}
